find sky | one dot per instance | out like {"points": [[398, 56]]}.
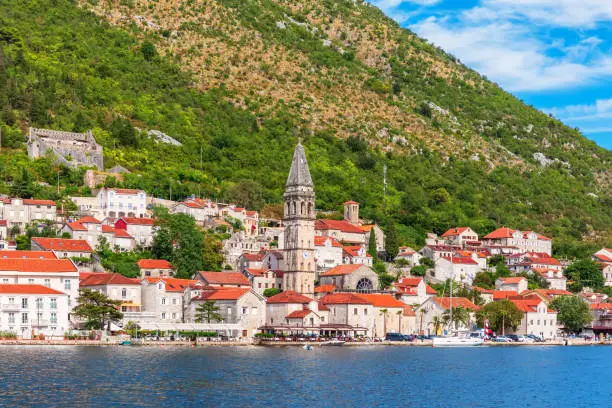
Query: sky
{"points": [[553, 54]]}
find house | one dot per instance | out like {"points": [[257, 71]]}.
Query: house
{"points": [[117, 287], [517, 284], [602, 317], [163, 298], [538, 319], [4, 232], [118, 239], [241, 306], [604, 258], [323, 290], [290, 311], [141, 229], [122, 202], [547, 295], [390, 315], [487, 295], [201, 210], [351, 311], [240, 244], [33, 269], [413, 291], [435, 252], [459, 236], [458, 268], [554, 277], [328, 252], [342, 231], [350, 277], [7, 245], [356, 254], [409, 254], [250, 260], [155, 268], [63, 247], [34, 310], [19, 212], [223, 279], [10, 254], [274, 260], [434, 308], [523, 241], [262, 279]]}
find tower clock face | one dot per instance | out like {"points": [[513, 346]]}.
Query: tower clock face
{"points": [[305, 254]]}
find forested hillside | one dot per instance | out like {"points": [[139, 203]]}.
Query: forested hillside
{"points": [[237, 82]]}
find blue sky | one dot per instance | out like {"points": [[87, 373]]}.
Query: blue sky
{"points": [[553, 54]]}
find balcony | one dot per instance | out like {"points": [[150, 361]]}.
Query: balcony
{"points": [[40, 323], [11, 307]]}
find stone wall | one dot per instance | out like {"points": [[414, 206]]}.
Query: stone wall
{"points": [[72, 149]]}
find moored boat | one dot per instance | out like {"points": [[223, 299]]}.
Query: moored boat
{"points": [[333, 343], [457, 341]]}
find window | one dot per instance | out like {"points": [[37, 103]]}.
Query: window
{"points": [[229, 310], [69, 302], [174, 301], [48, 283], [259, 285], [24, 318], [124, 308], [30, 281], [11, 317], [245, 310], [538, 322], [123, 293], [355, 312], [5, 280], [163, 315], [147, 273], [266, 286], [24, 303], [39, 303], [163, 301], [365, 312], [67, 284], [531, 322], [11, 300]]}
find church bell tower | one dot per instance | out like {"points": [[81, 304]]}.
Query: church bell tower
{"points": [[299, 219]]}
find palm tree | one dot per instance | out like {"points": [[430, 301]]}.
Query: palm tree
{"points": [[383, 313], [422, 311], [399, 325], [436, 321], [460, 315]]}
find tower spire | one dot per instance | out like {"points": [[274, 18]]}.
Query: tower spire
{"points": [[299, 175]]}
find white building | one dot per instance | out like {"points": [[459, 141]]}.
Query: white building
{"points": [[32, 310], [20, 212], [122, 202], [155, 268], [461, 269], [328, 253], [523, 241], [356, 254], [460, 236], [262, 279], [116, 287], [538, 318], [409, 254], [141, 229], [413, 291], [163, 299], [604, 258], [517, 284], [437, 306]]}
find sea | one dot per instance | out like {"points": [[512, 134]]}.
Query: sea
{"points": [[377, 376]]}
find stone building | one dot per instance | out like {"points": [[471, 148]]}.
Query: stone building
{"points": [[71, 149], [299, 220], [353, 277]]}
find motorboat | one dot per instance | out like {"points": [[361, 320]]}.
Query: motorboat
{"points": [[333, 343], [457, 341]]}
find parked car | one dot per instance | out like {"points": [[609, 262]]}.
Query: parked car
{"points": [[512, 337], [535, 338], [397, 337], [525, 339], [503, 339]]}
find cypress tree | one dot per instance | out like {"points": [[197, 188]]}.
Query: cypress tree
{"points": [[372, 245], [391, 242]]}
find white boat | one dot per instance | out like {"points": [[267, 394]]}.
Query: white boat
{"points": [[457, 341], [333, 343]]}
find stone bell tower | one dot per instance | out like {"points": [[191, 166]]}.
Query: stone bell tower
{"points": [[299, 219]]}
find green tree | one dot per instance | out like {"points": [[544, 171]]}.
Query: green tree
{"points": [[484, 280], [271, 292], [207, 312], [419, 270], [372, 245], [426, 262], [384, 313], [391, 241], [148, 50], [584, 273], [123, 132], [461, 316], [23, 186], [247, 193], [162, 244], [96, 309], [436, 322], [23, 243], [572, 311], [503, 315], [212, 256]]}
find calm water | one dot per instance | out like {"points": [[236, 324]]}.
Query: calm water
{"points": [[338, 377]]}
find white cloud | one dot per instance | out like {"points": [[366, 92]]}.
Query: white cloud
{"points": [[601, 108]]}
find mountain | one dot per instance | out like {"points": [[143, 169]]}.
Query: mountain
{"points": [[237, 82]]}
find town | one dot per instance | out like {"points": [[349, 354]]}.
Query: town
{"points": [[299, 276]]}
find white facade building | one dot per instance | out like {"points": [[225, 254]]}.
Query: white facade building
{"points": [[121, 202]]}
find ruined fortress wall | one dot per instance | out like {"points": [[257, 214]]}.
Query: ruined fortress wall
{"points": [[72, 149]]}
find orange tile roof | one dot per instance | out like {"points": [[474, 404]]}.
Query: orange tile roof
{"points": [[27, 255], [88, 220], [224, 278], [367, 227], [253, 257], [97, 279], [138, 221], [503, 294], [454, 232], [256, 271], [461, 260], [503, 232], [28, 290], [289, 296], [38, 202], [343, 226], [409, 311], [127, 191], [173, 284], [482, 290], [119, 233], [545, 261], [353, 251], [341, 270], [457, 302], [224, 294], [322, 307], [343, 298], [601, 306], [430, 291], [38, 265], [298, 314], [154, 264], [350, 202], [321, 241], [512, 280], [63, 244], [76, 226], [325, 289], [382, 300]]}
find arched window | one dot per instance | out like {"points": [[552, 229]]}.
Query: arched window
{"points": [[303, 208], [364, 284], [293, 208], [310, 209]]}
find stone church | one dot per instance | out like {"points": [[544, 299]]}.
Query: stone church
{"points": [[299, 220]]}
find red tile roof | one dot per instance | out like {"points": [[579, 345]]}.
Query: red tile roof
{"points": [[27, 255], [503, 294], [603, 258], [601, 306], [544, 261], [37, 265], [325, 289], [350, 202], [409, 311], [482, 290], [125, 191], [224, 278], [343, 299], [88, 220], [154, 264], [512, 280], [320, 240], [38, 202], [63, 244], [119, 233], [503, 232], [97, 279], [289, 296], [298, 314], [353, 251], [457, 302], [138, 221], [343, 226], [76, 226], [461, 260], [454, 232], [257, 271], [3, 223], [322, 307], [224, 294], [253, 257], [367, 227], [173, 284], [382, 300], [341, 270], [28, 290]]}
